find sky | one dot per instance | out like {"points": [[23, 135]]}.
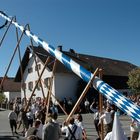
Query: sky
{"points": [[104, 28]]}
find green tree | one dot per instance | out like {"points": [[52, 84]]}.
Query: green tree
{"points": [[2, 97], [134, 80]]}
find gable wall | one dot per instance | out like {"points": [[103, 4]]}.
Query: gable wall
{"points": [[33, 76], [12, 95], [66, 85]]}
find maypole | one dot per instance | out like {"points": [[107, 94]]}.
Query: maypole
{"points": [[125, 104]]}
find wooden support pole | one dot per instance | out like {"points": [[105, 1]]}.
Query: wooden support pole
{"points": [[101, 107], [82, 95], [46, 100], [48, 97], [34, 55], [6, 31], [21, 70], [37, 84], [50, 86], [60, 105], [12, 59]]}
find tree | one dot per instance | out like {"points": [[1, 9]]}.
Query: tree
{"points": [[2, 97], [134, 80]]}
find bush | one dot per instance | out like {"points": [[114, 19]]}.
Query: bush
{"points": [[134, 80], [2, 97]]}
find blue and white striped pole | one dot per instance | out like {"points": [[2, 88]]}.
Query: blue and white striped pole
{"points": [[113, 95]]}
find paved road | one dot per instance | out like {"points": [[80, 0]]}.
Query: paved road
{"points": [[5, 132], [90, 129]]}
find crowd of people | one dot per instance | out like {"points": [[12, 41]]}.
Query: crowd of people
{"points": [[36, 125]]}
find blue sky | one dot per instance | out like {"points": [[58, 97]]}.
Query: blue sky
{"points": [[105, 28]]}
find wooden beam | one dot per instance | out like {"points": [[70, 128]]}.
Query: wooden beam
{"points": [[34, 55], [82, 95], [60, 105], [21, 70], [37, 83], [101, 107], [11, 60], [50, 86]]}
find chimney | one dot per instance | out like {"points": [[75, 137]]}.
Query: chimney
{"points": [[59, 48], [72, 51]]}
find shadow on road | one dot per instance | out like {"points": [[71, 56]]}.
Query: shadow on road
{"points": [[2, 109], [8, 138]]}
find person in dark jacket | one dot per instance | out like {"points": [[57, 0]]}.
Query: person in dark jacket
{"points": [[51, 130], [33, 130], [12, 116]]}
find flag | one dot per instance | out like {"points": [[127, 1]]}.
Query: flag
{"points": [[117, 131]]}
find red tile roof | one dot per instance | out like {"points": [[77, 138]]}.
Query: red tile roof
{"points": [[109, 66], [10, 85]]}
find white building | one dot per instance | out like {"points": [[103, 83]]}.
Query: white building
{"points": [[65, 82], [10, 88]]}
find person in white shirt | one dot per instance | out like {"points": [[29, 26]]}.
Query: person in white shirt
{"points": [[30, 117], [34, 109], [86, 103], [108, 136], [107, 120], [135, 129], [72, 130], [79, 122], [94, 109], [12, 116]]}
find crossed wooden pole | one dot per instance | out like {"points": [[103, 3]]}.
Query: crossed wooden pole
{"points": [[14, 53], [82, 95], [32, 94], [51, 80], [97, 71], [47, 102]]}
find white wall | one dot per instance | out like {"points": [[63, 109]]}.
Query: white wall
{"points": [[12, 95], [28, 77], [65, 85], [7, 95]]}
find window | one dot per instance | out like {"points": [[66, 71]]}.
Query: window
{"points": [[30, 70], [38, 67], [30, 86], [47, 82], [38, 85]]}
